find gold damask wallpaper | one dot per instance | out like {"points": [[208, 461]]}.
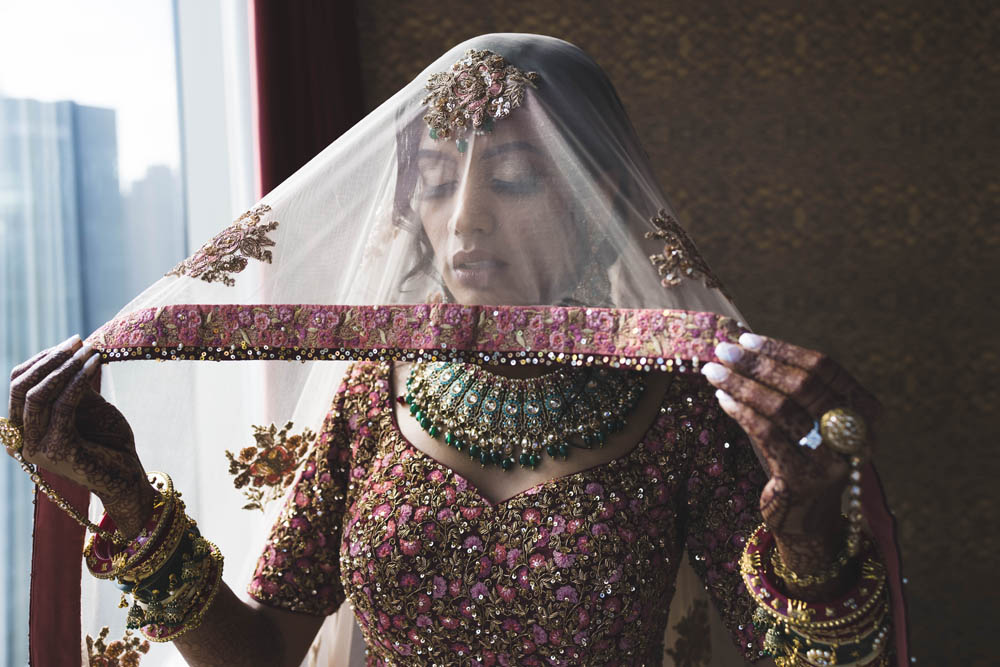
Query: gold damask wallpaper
{"points": [[837, 165]]}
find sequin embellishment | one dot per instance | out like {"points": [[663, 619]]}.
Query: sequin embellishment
{"points": [[680, 258], [479, 89], [231, 249], [578, 570]]}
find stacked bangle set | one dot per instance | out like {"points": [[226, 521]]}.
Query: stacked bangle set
{"points": [[172, 572], [851, 630]]}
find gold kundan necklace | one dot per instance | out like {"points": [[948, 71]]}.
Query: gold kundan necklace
{"points": [[492, 416]]}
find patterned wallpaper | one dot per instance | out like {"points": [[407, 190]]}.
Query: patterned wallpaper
{"points": [[836, 163]]}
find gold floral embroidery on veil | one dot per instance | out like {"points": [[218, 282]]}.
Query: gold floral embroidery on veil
{"points": [[123, 652], [680, 258], [231, 249], [266, 469]]}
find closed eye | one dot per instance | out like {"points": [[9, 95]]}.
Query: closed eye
{"points": [[519, 187], [440, 191]]}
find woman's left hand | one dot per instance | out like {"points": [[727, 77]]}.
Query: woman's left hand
{"points": [[776, 391]]}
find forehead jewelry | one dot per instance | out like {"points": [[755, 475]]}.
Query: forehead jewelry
{"points": [[477, 91]]}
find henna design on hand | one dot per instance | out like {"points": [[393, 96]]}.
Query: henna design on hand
{"points": [[232, 634], [28, 374], [775, 391], [71, 430]]}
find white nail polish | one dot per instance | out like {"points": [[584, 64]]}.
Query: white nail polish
{"points": [[715, 372], [751, 341], [724, 398], [728, 352]]}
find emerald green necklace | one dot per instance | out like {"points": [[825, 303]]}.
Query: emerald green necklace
{"points": [[494, 417]]}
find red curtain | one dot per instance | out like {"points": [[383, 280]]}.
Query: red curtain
{"points": [[308, 81]]}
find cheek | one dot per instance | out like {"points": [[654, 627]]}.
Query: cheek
{"points": [[550, 235], [435, 224]]}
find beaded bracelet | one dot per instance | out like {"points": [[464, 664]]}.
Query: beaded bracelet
{"points": [[859, 649], [168, 585]]}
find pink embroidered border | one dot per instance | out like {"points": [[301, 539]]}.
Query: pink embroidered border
{"points": [[585, 335]]}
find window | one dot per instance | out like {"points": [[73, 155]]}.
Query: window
{"points": [[116, 161]]}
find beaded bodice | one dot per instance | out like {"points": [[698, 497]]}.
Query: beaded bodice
{"points": [[576, 570]]}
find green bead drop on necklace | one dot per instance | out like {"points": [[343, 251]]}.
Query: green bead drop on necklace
{"points": [[502, 421]]}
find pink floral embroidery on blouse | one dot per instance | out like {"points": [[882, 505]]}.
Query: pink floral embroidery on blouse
{"points": [[576, 570]]}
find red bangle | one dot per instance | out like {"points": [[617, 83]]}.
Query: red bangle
{"points": [[105, 560], [761, 582]]}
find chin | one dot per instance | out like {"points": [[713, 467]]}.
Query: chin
{"points": [[487, 297]]}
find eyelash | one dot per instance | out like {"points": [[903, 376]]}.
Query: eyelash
{"points": [[519, 188]]}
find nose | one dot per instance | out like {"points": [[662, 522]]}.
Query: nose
{"points": [[475, 211]]}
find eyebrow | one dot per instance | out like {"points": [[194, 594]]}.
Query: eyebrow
{"points": [[433, 154], [493, 151]]}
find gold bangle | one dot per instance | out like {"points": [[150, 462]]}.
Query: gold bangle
{"points": [[822, 577], [135, 571], [169, 498], [201, 600]]}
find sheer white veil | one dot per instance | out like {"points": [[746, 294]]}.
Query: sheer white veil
{"points": [[537, 235]]}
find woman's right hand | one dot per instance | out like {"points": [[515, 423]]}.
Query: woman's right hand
{"points": [[68, 428]]}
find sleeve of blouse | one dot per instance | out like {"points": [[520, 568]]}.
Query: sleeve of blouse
{"points": [[723, 499], [299, 569]]}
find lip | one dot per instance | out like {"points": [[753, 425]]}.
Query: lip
{"points": [[476, 268]]}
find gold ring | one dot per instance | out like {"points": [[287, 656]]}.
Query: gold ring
{"points": [[844, 431], [10, 433]]}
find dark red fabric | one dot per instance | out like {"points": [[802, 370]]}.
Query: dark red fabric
{"points": [[308, 81], [883, 527], [54, 632]]}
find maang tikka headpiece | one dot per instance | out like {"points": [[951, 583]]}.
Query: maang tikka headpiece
{"points": [[480, 89]]}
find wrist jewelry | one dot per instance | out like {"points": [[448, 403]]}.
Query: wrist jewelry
{"points": [[783, 572], [12, 439], [171, 571], [107, 559], [851, 629]]}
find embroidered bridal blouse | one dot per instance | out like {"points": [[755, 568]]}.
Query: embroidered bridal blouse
{"points": [[577, 570]]}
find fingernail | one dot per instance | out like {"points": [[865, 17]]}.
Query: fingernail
{"points": [[725, 399], [92, 363], [751, 341], [715, 372], [728, 352], [70, 342]]}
